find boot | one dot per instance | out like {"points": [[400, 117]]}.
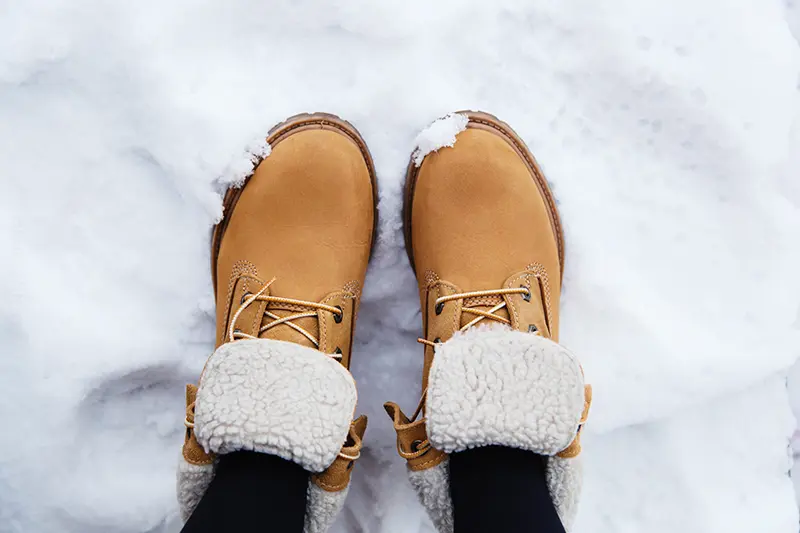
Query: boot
{"points": [[288, 261], [484, 238]]}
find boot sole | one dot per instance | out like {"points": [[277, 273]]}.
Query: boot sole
{"points": [[482, 120], [295, 124]]}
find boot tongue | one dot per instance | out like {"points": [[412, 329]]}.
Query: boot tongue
{"points": [[483, 303], [285, 332], [530, 314], [287, 287]]}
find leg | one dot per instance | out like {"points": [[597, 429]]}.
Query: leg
{"points": [[248, 487], [501, 489]]}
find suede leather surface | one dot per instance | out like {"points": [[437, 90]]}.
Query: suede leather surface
{"points": [[478, 215], [306, 218], [481, 219], [336, 477]]}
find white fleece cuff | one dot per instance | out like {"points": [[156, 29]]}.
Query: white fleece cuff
{"points": [[495, 386], [275, 397], [502, 387]]}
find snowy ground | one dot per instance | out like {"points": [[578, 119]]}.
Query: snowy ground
{"points": [[670, 132]]}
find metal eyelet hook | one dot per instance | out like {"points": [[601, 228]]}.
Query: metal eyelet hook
{"points": [[527, 295]]}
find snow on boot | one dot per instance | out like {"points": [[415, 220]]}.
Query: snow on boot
{"points": [[288, 261], [484, 238]]}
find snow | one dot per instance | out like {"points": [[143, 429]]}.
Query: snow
{"points": [[441, 133], [670, 132], [243, 166]]}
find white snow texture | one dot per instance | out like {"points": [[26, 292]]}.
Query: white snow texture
{"points": [[441, 133], [670, 132]]}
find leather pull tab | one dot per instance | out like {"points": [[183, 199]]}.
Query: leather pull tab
{"points": [[191, 396], [336, 477], [191, 393], [574, 448], [412, 440], [192, 451]]}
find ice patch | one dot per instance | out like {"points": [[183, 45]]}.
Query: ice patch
{"points": [[438, 135]]}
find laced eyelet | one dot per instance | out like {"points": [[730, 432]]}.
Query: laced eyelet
{"points": [[437, 340], [237, 330], [526, 296], [337, 351], [439, 308], [245, 296], [338, 317], [415, 445], [532, 328]]}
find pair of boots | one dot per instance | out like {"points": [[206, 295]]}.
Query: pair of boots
{"points": [[288, 262]]}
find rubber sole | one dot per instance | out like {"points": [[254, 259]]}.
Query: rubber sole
{"points": [[482, 120], [290, 126]]}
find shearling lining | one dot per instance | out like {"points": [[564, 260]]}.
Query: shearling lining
{"points": [[501, 387], [275, 397]]}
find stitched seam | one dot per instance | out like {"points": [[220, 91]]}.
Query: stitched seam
{"points": [[323, 318], [353, 289], [208, 461], [262, 306], [436, 293], [457, 312], [431, 277], [323, 324], [541, 273], [240, 268], [329, 122], [511, 303], [457, 315], [201, 462], [435, 461], [444, 288], [352, 334], [329, 487], [258, 316]]}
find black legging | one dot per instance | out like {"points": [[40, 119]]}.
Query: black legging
{"points": [[493, 489], [501, 489]]}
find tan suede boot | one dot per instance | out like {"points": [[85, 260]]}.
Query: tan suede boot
{"points": [[484, 238], [288, 262]]}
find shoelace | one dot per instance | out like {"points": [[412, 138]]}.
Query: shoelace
{"points": [[236, 334], [418, 447], [481, 315]]}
